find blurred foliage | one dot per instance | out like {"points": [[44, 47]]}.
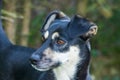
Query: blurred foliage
{"points": [[105, 45], [11, 14]]}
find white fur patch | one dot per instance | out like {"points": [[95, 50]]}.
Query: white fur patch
{"points": [[56, 34], [69, 61], [46, 34], [51, 19]]}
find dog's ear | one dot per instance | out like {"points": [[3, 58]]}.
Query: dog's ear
{"points": [[51, 17], [81, 27]]}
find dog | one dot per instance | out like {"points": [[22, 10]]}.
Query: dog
{"points": [[14, 60], [65, 52]]}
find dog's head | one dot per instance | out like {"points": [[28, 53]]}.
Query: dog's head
{"points": [[63, 40]]}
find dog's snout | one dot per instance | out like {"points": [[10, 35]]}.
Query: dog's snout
{"points": [[34, 59]]}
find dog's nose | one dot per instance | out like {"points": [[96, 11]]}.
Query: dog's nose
{"points": [[34, 59]]}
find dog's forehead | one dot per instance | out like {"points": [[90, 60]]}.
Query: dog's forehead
{"points": [[59, 24], [56, 27]]}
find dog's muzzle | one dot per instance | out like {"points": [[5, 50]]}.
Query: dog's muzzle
{"points": [[42, 63]]}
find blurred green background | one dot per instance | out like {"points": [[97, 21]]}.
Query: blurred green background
{"points": [[22, 20]]}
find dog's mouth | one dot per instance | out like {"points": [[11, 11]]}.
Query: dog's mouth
{"points": [[44, 65], [40, 68]]}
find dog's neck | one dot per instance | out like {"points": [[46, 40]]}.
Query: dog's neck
{"points": [[83, 70], [74, 70], [65, 72], [83, 74], [70, 73]]}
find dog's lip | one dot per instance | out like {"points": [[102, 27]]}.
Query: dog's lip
{"points": [[39, 68], [45, 66]]}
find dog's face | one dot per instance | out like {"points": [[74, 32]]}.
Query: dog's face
{"points": [[62, 38]]}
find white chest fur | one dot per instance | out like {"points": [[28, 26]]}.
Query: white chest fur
{"points": [[64, 73], [67, 70]]}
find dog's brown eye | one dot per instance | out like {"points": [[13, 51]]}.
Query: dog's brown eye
{"points": [[60, 42]]}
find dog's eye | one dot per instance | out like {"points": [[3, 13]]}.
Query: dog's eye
{"points": [[60, 42]]}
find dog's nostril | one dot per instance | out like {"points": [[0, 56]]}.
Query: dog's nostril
{"points": [[34, 59]]}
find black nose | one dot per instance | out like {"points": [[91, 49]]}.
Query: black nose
{"points": [[34, 59]]}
